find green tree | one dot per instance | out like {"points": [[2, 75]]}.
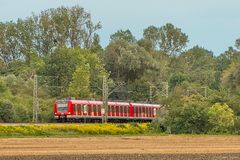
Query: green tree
{"points": [[123, 35], [172, 40], [96, 47], [223, 62], [237, 43], [79, 87], [9, 43], [176, 79], [152, 35], [61, 65], [198, 64], [125, 61], [221, 118], [231, 77], [59, 68], [25, 34]]}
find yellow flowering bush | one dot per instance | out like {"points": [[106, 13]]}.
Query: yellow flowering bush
{"points": [[74, 129]]}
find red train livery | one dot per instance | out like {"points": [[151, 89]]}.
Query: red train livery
{"points": [[92, 111]]}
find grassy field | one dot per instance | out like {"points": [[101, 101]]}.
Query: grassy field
{"points": [[66, 130], [169, 147]]}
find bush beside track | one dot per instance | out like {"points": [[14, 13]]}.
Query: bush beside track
{"points": [[66, 130]]}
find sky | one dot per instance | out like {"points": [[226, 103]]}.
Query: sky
{"points": [[212, 24]]}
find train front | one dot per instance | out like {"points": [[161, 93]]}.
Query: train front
{"points": [[61, 110]]}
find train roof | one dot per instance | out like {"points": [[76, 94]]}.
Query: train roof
{"points": [[97, 102], [145, 104], [112, 103]]}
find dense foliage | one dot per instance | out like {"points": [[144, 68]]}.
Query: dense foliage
{"points": [[199, 90]]}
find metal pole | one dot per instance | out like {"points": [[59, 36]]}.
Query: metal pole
{"points": [[165, 89], [105, 100], [150, 93], [35, 100], [205, 91]]}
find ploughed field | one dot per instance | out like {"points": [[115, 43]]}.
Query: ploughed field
{"points": [[112, 147]]}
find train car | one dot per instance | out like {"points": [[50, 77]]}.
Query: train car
{"points": [[92, 111]]}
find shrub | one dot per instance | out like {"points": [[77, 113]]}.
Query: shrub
{"points": [[191, 118], [6, 111], [221, 118]]}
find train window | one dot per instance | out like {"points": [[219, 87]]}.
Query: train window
{"points": [[144, 111], [85, 109], [62, 106], [99, 110], [75, 109], [94, 109], [118, 110], [81, 109], [111, 110], [150, 111], [114, 110], [140, 111], [89, 109], [134, 111], [121, 111], [92, 113], [147, 111], [78, 108], [154, 112]]}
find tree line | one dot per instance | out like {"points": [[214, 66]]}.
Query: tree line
{"points": [[63, 48]]}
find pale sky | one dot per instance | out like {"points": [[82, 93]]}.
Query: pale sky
{"points": [[212, 24]]}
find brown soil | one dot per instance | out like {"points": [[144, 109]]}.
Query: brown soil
{"points": [[143, 147]]}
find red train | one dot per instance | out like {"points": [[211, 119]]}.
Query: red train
{"points": [[92, 111]]}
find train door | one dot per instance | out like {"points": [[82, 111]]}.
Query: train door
{"points": [[145, 112], [75, 112], [113, 110], [89, 110], [137, 111], [130, 110], [121, 111], [81, 110], [117, 110], [134, 111], [94, 110], [99, 110], [151, 109]]}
